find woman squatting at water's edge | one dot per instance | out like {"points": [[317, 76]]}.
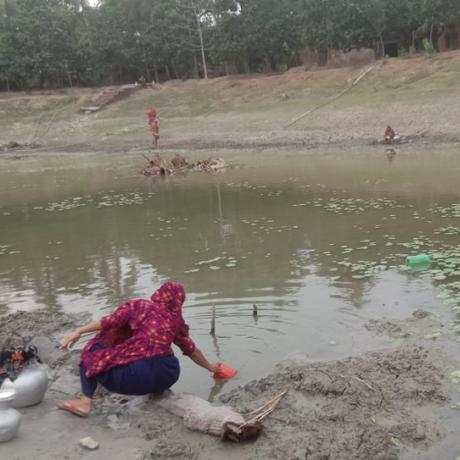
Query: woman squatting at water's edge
{"points": [[132, 353]]}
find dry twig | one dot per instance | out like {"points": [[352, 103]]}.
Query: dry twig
{"points": [[252, 428], [266, 409], [363, 382]]}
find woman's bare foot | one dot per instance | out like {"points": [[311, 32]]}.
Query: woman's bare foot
{"points": [[81, 407]]}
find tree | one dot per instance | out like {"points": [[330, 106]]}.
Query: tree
{"points": [[54, 43]]}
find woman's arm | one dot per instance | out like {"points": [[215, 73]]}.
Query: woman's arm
{"points": [[198, 358], [73, 338]]}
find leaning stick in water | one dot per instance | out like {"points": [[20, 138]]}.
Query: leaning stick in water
{"points": [[213, 321]]}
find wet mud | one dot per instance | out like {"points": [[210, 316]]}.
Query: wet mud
{"points": [[361, 407]]}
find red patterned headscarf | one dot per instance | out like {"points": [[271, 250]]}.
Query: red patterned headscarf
{"points": [[171, 295], [152, 114]]}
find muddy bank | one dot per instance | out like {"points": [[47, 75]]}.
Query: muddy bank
{"points": [[43, 328], [421, 326], [37, 323], [358, 408], [265, 141]]}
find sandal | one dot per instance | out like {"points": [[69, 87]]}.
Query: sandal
{"points": [[70, 407]]}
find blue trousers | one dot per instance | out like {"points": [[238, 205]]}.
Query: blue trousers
{"points": [[145, 376]]}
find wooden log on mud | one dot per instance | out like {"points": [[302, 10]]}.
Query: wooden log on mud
{"points": [[222, 421], [198, 414]]}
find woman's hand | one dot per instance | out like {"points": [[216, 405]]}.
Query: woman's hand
{"points": [[214, 367], [73, 338], [198, 358], [70, 341]]}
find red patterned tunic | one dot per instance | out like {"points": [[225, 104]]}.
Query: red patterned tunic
{"points": [[140, 329]]}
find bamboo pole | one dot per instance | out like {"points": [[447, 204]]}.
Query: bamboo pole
{"points": [[323, 104]]}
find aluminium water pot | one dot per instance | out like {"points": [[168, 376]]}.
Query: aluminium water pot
{"points": [[30, 387], [10, 419]]}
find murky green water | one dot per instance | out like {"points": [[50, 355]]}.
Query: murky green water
{"points": [[317, 242]]}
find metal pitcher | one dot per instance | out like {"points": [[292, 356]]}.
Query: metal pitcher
{"points": [[10, 419], [30, 387]]}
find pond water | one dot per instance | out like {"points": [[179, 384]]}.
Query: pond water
{"points": [[316, 241]]}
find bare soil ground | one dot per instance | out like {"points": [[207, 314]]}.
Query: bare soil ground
{"points": [[418, 96]]}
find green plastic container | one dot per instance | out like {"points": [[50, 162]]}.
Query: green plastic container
{"points": [[419, 259]]}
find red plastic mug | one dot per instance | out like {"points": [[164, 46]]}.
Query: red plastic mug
{"points": [[225, 372]]}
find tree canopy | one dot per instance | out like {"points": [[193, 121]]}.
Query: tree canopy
{"points": [[56, 43]]}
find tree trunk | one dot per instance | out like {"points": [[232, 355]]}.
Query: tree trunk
{"points": [[8, 85], [174, 71], [200, 34], [267, 64], [196, 73], [155, 73], [203, 57], [382, 45], [167, 72]]}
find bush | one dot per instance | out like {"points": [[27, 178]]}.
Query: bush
{"points": [[428, 47]]}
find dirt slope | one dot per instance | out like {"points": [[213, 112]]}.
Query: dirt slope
{"points": [[419, 97]]}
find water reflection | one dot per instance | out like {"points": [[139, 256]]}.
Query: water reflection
{"points": [[223, 242]]}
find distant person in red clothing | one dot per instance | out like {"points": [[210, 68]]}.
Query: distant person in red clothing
{"points": [[154, 125], [389, 134], [132, 353]]}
